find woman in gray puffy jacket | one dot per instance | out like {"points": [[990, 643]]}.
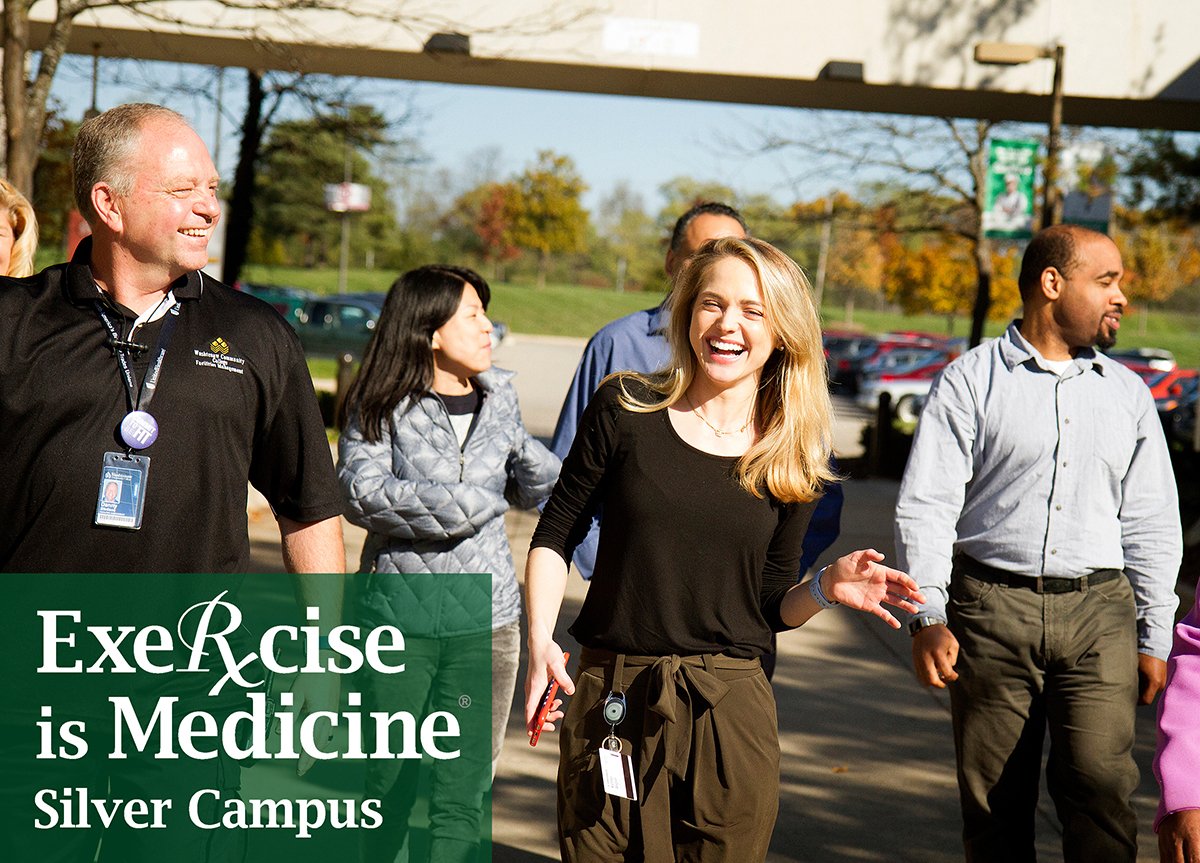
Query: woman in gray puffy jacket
{"points": [[432, 454]]}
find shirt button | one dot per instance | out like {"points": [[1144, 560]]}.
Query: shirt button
{"points": [[1066, 422], [1064, 464], [1054, 551], [1059, 506]]}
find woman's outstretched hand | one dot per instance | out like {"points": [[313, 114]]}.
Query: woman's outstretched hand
{"points": [[859, 581]]}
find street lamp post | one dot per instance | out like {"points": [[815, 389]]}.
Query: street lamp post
{"points": [[1009, 54]]}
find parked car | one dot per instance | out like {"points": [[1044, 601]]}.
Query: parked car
{"points": [[845, 352], [919, 337], [906, 346], [1181, 392], [285, 299], [338, 325], [906, 381], [1165, 385], [904, 357], [1179, 422], [1146, 362], [341, 324]]}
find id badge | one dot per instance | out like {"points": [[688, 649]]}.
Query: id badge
{"points": [[122, 490], [617, 772]]}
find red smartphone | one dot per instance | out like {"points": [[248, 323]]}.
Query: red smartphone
{"points": [[544, 706]]}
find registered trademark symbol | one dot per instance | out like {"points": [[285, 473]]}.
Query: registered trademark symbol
{"points": [[464, 701]]}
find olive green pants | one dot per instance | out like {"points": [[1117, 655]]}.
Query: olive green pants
{"points": [[704, 740], [1028, 661]]}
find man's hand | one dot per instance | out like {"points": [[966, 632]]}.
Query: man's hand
{"points": [[1179, 837], [935, 650], [1152, 677]]}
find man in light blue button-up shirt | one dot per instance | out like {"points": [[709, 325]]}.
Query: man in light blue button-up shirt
{"points": [[1039, 515]]}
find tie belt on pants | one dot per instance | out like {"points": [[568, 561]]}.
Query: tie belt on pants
{"points": [[680, 693]]}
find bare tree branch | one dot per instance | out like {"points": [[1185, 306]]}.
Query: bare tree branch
{"points": [[25, 101]]}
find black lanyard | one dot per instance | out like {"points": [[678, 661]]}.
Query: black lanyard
{"points": [[139, 402]]}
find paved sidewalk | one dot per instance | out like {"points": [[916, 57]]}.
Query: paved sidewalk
{"points": [[868, 760]]}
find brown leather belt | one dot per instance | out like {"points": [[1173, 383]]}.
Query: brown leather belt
{"points": [[1037, 583]]}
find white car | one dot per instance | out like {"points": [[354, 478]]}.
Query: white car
{"points": [[906, 380]]}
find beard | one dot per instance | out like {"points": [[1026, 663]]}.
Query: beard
{"points": [[1105, 337]]}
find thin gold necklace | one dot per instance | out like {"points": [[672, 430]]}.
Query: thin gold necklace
{"points": [[721, 432]]}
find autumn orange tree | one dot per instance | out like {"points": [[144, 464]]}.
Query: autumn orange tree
{"points": [[490, 211], [1160, 257], [853, 259], [939, 166], [935, 275]]}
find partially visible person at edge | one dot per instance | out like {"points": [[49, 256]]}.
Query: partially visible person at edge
{"points": [[1038, 511], [234, 403], [432, 454], [1177, 762], [18, 233], [638, 343], [708, 473]]}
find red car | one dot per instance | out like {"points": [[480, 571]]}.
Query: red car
{"points": [[1166, 386], [1146, 362]]}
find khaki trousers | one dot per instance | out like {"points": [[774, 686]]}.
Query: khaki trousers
{"points": [[704, 739]]}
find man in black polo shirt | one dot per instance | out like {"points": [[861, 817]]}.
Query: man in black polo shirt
{"points": [[128, 367], [233, 401]]}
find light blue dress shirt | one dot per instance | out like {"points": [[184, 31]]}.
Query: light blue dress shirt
{"points": [[1041, 474]]}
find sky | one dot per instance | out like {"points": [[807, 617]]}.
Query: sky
{"points": [[643, 142], [612, 139]]}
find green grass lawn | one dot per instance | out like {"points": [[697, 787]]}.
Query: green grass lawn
{"points": [[568, 310], [555, 310]]}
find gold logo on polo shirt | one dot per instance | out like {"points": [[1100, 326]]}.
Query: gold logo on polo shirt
{"points": [[219, 346]]}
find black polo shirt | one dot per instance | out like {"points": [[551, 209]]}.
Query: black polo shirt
{"points": [[234, 402]]}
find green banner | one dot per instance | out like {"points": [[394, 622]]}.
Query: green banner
{"points": [[1009, 210]]}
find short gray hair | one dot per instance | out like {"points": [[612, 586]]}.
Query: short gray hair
{"points": [[104, 148]]}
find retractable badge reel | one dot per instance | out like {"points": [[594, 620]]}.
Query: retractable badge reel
{"points": [[614, 710], [616, 768]]}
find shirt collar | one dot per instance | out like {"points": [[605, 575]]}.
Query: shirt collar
{"points": [[82, 287], [660, 316], [1014, 350]]}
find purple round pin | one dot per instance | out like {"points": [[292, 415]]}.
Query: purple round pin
{"points": [[139, 430]]}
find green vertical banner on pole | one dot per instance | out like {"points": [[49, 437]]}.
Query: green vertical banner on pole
{"points": [[1009, 210]]}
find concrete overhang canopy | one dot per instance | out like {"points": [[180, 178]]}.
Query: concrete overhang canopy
{"points": [[1131, 63]]}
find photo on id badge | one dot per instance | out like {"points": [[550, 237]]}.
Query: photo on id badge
{"points": [[119, 501]]}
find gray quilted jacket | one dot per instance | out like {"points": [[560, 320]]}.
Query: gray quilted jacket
{"points": [[433, 510]]}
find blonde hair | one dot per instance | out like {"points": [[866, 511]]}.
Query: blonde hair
{"points": [[791, 457], [25, 231]]}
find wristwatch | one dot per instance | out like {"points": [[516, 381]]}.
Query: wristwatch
{"points": [[921, 621]]}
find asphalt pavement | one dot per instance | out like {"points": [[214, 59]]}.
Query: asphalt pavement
{"points": [[867, 770]]}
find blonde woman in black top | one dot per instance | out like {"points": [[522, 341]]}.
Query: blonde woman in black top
{"points": [[708, 473]]}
